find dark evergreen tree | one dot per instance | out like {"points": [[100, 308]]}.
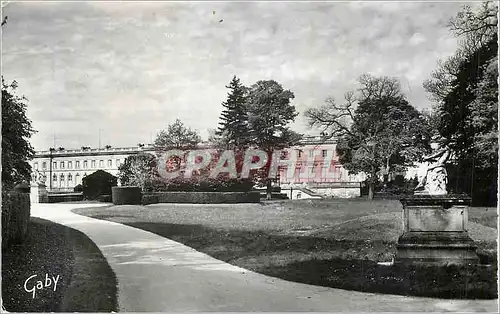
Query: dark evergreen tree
{"points": [[233, 128], [16, 131], [465, 89], [97, 184], [469, 122]]}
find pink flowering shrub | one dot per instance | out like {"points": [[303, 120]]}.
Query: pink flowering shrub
{"points": [[200, 180]]}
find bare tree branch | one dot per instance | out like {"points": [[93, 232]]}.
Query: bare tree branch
{"points": [[476, 28], [333, 118]]}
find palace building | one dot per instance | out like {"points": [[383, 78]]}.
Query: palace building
{"points": [[64, 169], [317, 170]]}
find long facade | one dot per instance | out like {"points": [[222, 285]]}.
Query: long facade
{"points": [[63, 170], [315, 166]]}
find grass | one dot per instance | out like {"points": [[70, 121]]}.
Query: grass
{"points": [[334, 243], [486, 216], [86, 281]]}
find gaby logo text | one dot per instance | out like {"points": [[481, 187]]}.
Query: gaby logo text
{"points": [[31, 285]]}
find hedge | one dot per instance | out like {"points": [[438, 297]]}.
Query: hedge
{"points": [[16, 214], [65, 197], [150, 199], [201, 197], [199, 184], [126, 195], [104, 198]]}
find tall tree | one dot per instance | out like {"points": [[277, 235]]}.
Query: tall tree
{"points": [[177, 136], [233, 127], [474, 30], [269, 114], [377, 130], [16, 131], [467, 105]]}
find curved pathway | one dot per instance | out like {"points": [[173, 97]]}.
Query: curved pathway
{"points": [[160, 275]]}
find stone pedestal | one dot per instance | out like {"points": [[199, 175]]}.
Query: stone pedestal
{"points": [[435, 231], [38, 193]]}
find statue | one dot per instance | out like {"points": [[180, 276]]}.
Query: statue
{"points": [[42, 178], [432, 173]]}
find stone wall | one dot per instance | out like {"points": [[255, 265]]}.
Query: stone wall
{"points": [[338, 192]]}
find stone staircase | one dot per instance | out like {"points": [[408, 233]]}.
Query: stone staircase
{"points": [[310, 192]]}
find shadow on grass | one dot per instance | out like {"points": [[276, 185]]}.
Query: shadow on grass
{"points": [[86, 281], [478, 282], [333, 263]]}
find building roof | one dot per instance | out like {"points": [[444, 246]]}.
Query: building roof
{"points": [[306, 140]]}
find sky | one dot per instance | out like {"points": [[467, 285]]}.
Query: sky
{"points": [[127, 70]]}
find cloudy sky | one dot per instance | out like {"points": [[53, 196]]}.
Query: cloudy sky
{"points": [[130, 69]]}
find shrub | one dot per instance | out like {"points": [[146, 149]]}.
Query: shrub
{"points": [[98, 183], [126, 195], [15, 217], [78, 188], [137, 170]]}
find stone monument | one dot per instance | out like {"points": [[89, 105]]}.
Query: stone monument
{"points": [[38, 191], [435, 222]]}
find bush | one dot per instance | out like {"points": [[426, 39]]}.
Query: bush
{"points": [[98, 183], [15, 217], [136, 170], [126, 195], [78, 188]]}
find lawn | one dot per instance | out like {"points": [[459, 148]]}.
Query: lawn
{"points": [[335, 243], [86, 282], [484, 215]]}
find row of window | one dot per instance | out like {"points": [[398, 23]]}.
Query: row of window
{"points": [[69, 164], [62, 177], [69, 177], [324, 153]]}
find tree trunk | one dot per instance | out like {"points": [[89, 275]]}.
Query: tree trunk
{"points": [[269, 189], [371, 188], [386, 175]]}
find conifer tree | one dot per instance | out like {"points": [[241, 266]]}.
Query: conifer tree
{"points": [[233, 127]]}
